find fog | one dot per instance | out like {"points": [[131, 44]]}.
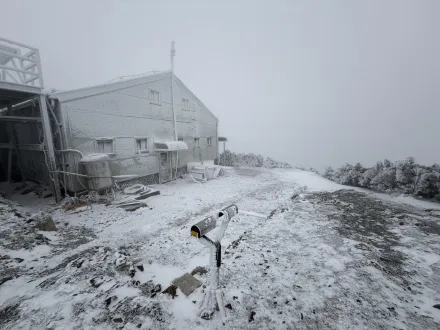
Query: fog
{"points": [[313, 83]]}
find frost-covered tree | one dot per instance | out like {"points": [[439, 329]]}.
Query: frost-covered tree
{"points": [[403, 177], [427, 185], [329, 173], [227, 158]]}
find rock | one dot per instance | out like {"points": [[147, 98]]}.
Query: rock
{"points": [[171, 290], [118, 320], [5, 279], [5, 257], [187, 283], [149, 289], [302, 316], [234, 297], [228, 306], [199, 270], [19, 260], [46, 224], [140, 267], [251, 316], [157, 288], [109, 300], [401, 223], [131, 271], [207, 314], [139, 325], [417, 224], [96, 282], [436, 306]]}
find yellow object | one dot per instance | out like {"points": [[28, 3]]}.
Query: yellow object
{"points": [[195, 234]]}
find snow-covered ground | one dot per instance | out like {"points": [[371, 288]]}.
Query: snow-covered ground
{"points": [[324, 258]]}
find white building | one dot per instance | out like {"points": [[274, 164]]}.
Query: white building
{"points": [[132, 121], [150, 126]]}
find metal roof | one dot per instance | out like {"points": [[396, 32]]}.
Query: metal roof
{"points": [[121, 83], [170, 145]]}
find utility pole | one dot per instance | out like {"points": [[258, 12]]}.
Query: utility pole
{"points": [[172, 54]]}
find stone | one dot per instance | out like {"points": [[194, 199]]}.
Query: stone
{"points": [[109, 300], [436, 306], [171, 290], [251, 316], [140, 267], [228, 306], [187, 283], [5, 279], [46, 224], [199, 270]]}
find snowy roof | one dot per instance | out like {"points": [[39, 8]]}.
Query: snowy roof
{"points": [[114, 85], [170, 145], [121, 83]]}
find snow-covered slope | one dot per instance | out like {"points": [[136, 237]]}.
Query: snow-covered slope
{"points": [[324, 258]]}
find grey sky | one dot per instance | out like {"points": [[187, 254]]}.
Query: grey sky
{"points": [[309, 82]]}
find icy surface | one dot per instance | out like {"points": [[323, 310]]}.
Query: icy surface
{"points": [[324, 257]]}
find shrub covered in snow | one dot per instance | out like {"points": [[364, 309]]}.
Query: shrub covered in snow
{"points": [[404, 177], [229, 158]]}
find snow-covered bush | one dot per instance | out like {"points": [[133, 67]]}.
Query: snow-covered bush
{"points": [[229, 158], [402, 177]]}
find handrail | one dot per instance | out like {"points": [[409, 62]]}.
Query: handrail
{"points": [[20, 64]]}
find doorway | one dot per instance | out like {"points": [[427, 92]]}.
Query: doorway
{"points": [[165, 174]]}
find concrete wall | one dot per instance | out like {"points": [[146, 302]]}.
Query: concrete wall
{"points": [[126, 114]]}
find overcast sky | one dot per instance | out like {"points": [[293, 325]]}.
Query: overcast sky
{"points": [[313, 83]]}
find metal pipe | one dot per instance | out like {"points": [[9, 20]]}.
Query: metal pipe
{"points": [[22, 104], [57, 123], [172, 54]]}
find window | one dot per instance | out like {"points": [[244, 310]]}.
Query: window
{"points": [[105, 146], [154, 97], [196, 142], [142, 146], [180, 139], [209, 141], [185, 104]]}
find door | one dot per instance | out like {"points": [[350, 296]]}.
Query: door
{"points": [[165, 167]]}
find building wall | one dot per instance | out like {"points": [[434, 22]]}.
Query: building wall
{"points": [[126, 114]]}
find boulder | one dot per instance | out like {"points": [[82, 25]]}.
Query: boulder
{"points": [[46, 223]]}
